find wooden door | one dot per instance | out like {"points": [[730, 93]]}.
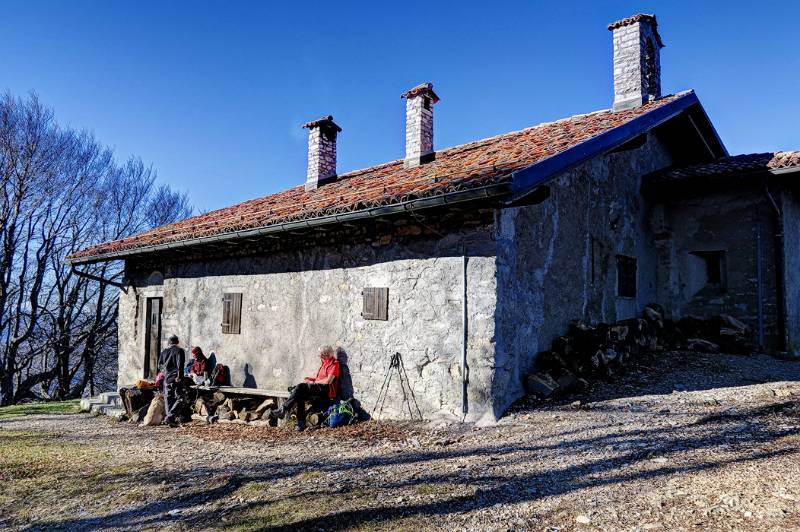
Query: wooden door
{"points": [[152, 345]]}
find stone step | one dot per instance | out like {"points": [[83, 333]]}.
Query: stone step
{"points": [[116, 412], [86, 404], [97, 405], [110, 398]]}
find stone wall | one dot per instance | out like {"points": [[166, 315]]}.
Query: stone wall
{"points": [[295, 301], [791, 231], [557, 260], [737, 222]]}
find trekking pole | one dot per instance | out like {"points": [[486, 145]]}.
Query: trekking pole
{"points": [[403, 371], [384, 391]]}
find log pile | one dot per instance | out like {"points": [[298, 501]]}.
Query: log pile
{"points": [[589, 353], [243, 410], [253, 411]]}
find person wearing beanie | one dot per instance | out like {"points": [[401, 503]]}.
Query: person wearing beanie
{"points": [[199, 368]]}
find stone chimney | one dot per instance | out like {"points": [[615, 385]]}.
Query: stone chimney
{"points": [[637, 64], [321, 151], [419, 124]]}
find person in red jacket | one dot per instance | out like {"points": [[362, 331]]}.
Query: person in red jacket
{"points": [[324, 385]]}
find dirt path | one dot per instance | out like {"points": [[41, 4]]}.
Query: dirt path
{"points": [[692, 442]]}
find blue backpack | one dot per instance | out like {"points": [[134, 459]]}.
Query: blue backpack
{"points": [[339, 414]]}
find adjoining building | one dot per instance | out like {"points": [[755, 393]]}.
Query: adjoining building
{"points": [[469, 260]]}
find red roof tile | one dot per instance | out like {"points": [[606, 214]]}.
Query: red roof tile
{"points": [[472, 165], [633, 20], [733, 165], [641, 17]]}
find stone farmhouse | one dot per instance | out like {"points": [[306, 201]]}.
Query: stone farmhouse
{"points": [[471, 259]]}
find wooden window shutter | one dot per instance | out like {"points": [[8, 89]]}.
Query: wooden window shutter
{"points": [[376, 304], [231, 313]]}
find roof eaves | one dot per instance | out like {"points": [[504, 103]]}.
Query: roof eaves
{"points": [[490, 191], [784, 171], [528, 179]]}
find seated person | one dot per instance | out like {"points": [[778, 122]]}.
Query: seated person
{"points": [[324, 385], [199, 369]]}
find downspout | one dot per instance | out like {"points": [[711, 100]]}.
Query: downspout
{"points": [[759, 286], [464, 366], [779, 267]]}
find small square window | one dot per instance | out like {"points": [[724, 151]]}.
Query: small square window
{"points": [[626, 276], [231, 313], [715, 267], [376, 304]]}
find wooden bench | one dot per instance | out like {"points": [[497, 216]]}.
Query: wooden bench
{"points": [[233, 390]]}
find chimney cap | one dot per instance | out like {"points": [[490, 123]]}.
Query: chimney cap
{"points": [[324, 123], [420, 90], [641, 17]]}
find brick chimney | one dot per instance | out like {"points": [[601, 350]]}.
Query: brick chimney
{"points": [[637, 63], [321, 151], [419, 124]]}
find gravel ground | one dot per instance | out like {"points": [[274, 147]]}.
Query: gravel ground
{"points": [[685, 442]]}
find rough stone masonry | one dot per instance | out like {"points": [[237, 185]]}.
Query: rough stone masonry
{"points": [[321, 151], [637, 61], [419, 123]]}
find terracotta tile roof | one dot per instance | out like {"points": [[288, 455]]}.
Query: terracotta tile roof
{"points": [[633, 20], [422, 88], [477, 164], [734, 165], [648, 17]]}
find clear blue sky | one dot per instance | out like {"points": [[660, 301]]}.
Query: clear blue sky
{"points": [[213, 94]]}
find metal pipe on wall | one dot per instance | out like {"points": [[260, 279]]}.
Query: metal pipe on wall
{"points": [[760, 286], [780, 286], [464, 366]]}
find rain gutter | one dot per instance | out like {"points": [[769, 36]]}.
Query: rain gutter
{"points": [[451, 198]]}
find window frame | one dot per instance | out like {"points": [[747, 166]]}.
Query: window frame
{"points": [[626, 277], [231, 313], [375, 303]]}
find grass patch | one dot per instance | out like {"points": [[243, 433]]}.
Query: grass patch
{"points": [[426, 489], [251, 490], [29, 409], [283, 512], [310, 475], [360, 509], [44, 478]]}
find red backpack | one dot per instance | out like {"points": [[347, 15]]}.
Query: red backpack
{"points": [[219, 375]]}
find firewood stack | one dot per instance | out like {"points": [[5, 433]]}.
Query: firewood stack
{"points": [[601, 352]]}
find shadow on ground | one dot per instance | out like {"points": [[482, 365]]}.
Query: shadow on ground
{"points": [[762, 430]]}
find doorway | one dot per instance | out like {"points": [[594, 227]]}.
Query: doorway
{"points": [[152, 345]]}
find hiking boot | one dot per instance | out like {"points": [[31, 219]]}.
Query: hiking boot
{"points": [[300, 426], [278, 413]]}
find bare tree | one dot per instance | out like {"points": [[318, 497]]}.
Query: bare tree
{"points": [[60, 191]]}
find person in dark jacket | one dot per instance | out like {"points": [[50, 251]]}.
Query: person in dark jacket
{"points": [[171, 362]]}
